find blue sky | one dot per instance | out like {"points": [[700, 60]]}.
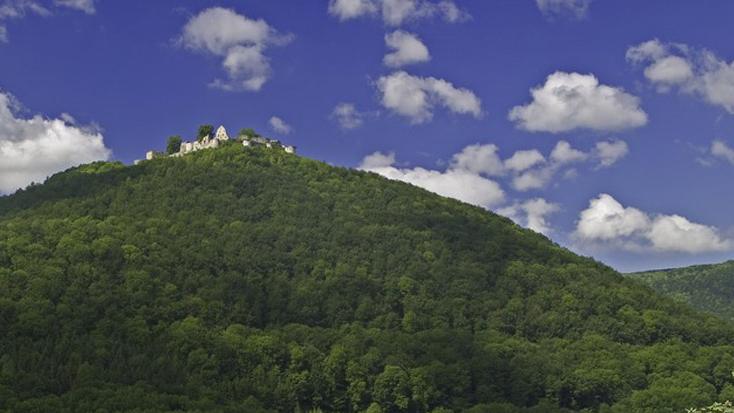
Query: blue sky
{"points": [[640, 96]]}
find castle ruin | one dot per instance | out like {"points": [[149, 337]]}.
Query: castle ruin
{"points": [[220, 137]]}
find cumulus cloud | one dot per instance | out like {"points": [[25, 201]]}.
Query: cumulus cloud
{"points": [[696, 72], [33, 148], [608, 221], [610, 152], [351, 9], [279, 125], [569, 101], [17, 9], [523, 160], [479, 159], [531, 170], [477, 173], [397, 12], [575, 8], [454, 182], [721, 150], [377, 160], [532, 214], [563, 154], [416, 97], [87, 6], [241, 42], [407, 49], [347, 116]]}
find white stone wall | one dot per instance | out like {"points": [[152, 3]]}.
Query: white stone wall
{"points": [[221, 136]]}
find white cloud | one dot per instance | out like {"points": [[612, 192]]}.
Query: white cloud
{"points": [[720, 149], [347, 115], [279, 125], [608, 221], [531, 214], [18, 9], [415, 97], [522, 160], [239, 40], [473, 175], [350, 9], [610, 152], [479, 159], [532, 171], [454, 182], [378, 160], [576, 8], [32, 149], [669, 70], [697, 72], [87, 6], [407, 49], [563, 154], [397, 12], [569, 101], [534, 178]]}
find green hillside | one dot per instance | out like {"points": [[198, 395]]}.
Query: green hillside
{"points": [[708, 288], [251, 280]]}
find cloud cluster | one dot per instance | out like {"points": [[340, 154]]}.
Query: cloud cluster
{"points": [[241, 42], [575, 8], [87, 6], [416, 97], [569, 101], [532, 214], [531, 170], [700, 73], [469, 178], [455, 182], [608, 221], [280, 126], [347, 116], [473, 175], [720, 149], [34, 148], [407, 49], [396, 12], [17, 9]]}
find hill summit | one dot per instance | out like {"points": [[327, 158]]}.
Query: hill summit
{"points": [[251, 279]]}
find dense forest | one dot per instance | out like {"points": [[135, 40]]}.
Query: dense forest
{"points": [[708, 288], [251, 280]]}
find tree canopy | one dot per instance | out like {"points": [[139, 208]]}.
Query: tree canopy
{"points": [[173, 145], [204, 131], [709, 288], [249, 279]]}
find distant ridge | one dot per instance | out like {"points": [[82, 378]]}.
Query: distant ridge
{"points": [[707, 287]]}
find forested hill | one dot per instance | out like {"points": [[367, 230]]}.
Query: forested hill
{"points": [[251, 280], [706, 287]]}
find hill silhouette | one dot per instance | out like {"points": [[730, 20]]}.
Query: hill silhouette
{"points": [[708, 288], [255, 280]]}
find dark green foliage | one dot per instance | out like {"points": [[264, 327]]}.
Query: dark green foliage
{"points": [[204, 131], [173, 145], [705, 287], [248, 133], [251, 280]]}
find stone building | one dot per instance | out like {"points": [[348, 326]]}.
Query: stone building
{"points": [[221, 136]]}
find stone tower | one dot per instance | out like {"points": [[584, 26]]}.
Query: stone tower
{"points": [[221, 134]]}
